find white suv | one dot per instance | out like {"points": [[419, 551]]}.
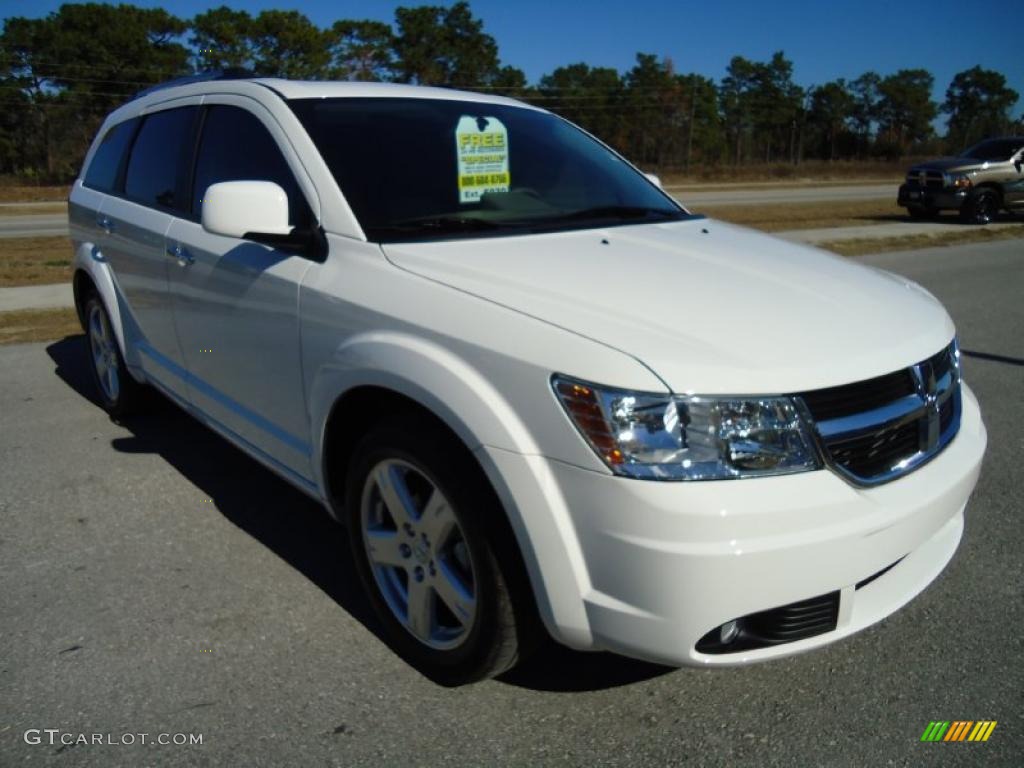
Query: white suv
{"points": [[540, 393]]}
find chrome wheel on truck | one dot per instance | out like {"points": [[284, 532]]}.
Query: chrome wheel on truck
{"points": [[981, 207]]}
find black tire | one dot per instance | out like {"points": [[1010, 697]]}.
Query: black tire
{"points": [[504, 626], [980, 207], [920, 212], [118, 393]]}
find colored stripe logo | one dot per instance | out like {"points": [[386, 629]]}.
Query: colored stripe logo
{"points": [[959, 730]]}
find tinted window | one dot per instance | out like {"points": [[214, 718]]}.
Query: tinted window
{"points": [[156, 157], [103, 170], [435, 169], [237, 147]]}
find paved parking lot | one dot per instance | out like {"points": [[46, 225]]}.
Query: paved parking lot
{"points": [[154, 580]]}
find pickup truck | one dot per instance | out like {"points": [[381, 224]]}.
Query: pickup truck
{"points": [[978, 183]]}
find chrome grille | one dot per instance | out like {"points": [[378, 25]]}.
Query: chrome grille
{"points": [[926, 179], [876, 430]]}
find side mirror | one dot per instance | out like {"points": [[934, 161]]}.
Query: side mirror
{"points": [[653, 178], [240, 208]]}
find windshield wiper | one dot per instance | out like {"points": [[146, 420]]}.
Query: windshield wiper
{"points": [[621, 212], [443, 224]]}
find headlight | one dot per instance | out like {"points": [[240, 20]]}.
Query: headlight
{"points": [[674, 437], [958, 180]]}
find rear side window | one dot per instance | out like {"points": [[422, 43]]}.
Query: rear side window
{"points": [[152, 176], [236, 146], [106, 162]]}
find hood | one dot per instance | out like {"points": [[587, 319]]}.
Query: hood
{"points": [[711, 308], [949, 164]]}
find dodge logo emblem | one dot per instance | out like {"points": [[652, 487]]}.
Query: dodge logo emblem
{"points": [[927, 390]]}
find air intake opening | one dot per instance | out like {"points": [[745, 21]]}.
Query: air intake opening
{"points": [[786, 624]]}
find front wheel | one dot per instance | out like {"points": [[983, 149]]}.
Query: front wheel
{"points": [[422, 524], [980, 207]]}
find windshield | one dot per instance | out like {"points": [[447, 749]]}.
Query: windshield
{"points": [[994, 149], [425, 169]]}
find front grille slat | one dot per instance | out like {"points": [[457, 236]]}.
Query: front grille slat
{"points": [[890, 435], [796, 628], [926, 179], [836, 402], [796, 621]]}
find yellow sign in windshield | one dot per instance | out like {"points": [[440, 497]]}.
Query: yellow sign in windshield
{"points": [[481, 144]]}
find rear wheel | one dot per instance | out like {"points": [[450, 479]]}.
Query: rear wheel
{"points": [[980, 207], [422, 522], [118, 392]]}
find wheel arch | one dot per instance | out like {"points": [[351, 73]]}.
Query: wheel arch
{"points": [[351, 416], [399, 370], [92, 273], [82, 285], [993, 186]]}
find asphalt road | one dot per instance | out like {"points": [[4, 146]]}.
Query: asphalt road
{"points": [[154, 580], [39, 225], [34, 225]]}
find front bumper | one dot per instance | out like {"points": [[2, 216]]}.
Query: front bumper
{"points": [[934, 199], [646, 568]]}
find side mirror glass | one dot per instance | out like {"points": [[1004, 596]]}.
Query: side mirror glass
{"points": [[240, 208]]}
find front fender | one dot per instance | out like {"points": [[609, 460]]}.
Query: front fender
{"points": [[488, 425], [419, 370]]}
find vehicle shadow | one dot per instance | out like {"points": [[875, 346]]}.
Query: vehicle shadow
{"points": [[283, 519], [556, 668], [298, 530]]}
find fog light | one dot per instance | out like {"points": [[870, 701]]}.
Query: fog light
{"points": [[728, 632]]}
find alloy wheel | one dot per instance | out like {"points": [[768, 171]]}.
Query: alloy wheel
{"points": [[418, 554], [104, 352]]}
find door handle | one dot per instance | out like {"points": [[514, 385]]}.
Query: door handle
{"points": [[105, 223], [179, 252]]}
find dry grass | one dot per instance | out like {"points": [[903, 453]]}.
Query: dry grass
{"points": [[15, 193], [776, 217], [862, 246], [810, 171], [33, 210], [34, 260], [740, 186], [25, 325]]}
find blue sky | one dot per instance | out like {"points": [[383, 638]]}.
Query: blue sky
{"points": [[825, 39]]}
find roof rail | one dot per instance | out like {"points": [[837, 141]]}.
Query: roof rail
{"points": [[231, 73]]}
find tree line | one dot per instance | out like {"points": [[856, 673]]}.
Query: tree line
{"points": [[60, 75]]}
